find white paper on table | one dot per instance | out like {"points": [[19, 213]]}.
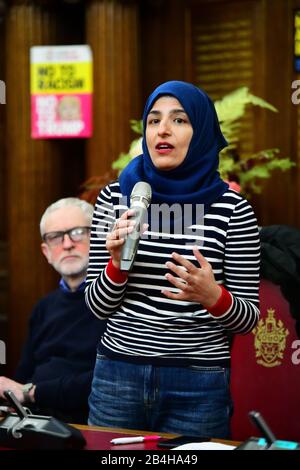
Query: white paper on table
{"points": [[204, 446]]}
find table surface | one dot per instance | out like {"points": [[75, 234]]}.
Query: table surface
{"points": [[98, 438]]}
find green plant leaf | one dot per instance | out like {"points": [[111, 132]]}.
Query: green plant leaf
{"points": [[135, 148], [232, 106], [121, 162], [136, 126]]}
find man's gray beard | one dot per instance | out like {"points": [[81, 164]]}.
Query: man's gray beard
{"points": [[72, 271]]}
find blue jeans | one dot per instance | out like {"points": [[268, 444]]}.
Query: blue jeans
{"points": [[192, 400]]}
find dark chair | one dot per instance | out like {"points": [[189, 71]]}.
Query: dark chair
{"points": [[266, 370]]}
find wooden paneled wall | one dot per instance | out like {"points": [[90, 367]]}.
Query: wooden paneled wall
{"points": [[3, 244], [278, 202], [136, 45], [112, 29], [168, 38], [34, 172], [165, 46], [2, 136], [41, 171]]}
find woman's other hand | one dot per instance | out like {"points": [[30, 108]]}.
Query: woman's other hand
{"points": [[196, 284]]}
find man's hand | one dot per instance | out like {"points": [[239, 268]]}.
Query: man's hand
{"points": [[15, 387]]}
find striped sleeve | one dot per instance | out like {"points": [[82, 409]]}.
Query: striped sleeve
{"points": [[103, 296], [241, 270]]}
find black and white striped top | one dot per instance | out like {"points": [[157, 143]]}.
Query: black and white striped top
{"points": [[145, 326]]}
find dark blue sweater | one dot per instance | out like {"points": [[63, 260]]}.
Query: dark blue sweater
{"points": [[59, 355]]}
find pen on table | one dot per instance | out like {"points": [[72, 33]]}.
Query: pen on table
{"points": [[133, 439]]}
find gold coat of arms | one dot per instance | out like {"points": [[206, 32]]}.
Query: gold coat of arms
{"points": [[270, 340]]}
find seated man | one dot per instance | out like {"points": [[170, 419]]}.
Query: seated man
{"points": [[56, 368]]}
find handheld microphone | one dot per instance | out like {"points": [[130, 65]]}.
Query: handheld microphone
{"points": [[140, 199]]}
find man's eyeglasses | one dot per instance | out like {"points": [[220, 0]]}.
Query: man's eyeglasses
{"points": [[76, 234]]}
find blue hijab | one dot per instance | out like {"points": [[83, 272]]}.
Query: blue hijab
{"points": [[196, 180]]}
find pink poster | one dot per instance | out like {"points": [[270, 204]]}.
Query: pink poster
{"points": [[61, 92], [61, 116]]}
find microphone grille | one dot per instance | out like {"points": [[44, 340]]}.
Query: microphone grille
{"points": [[142, 190]]}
